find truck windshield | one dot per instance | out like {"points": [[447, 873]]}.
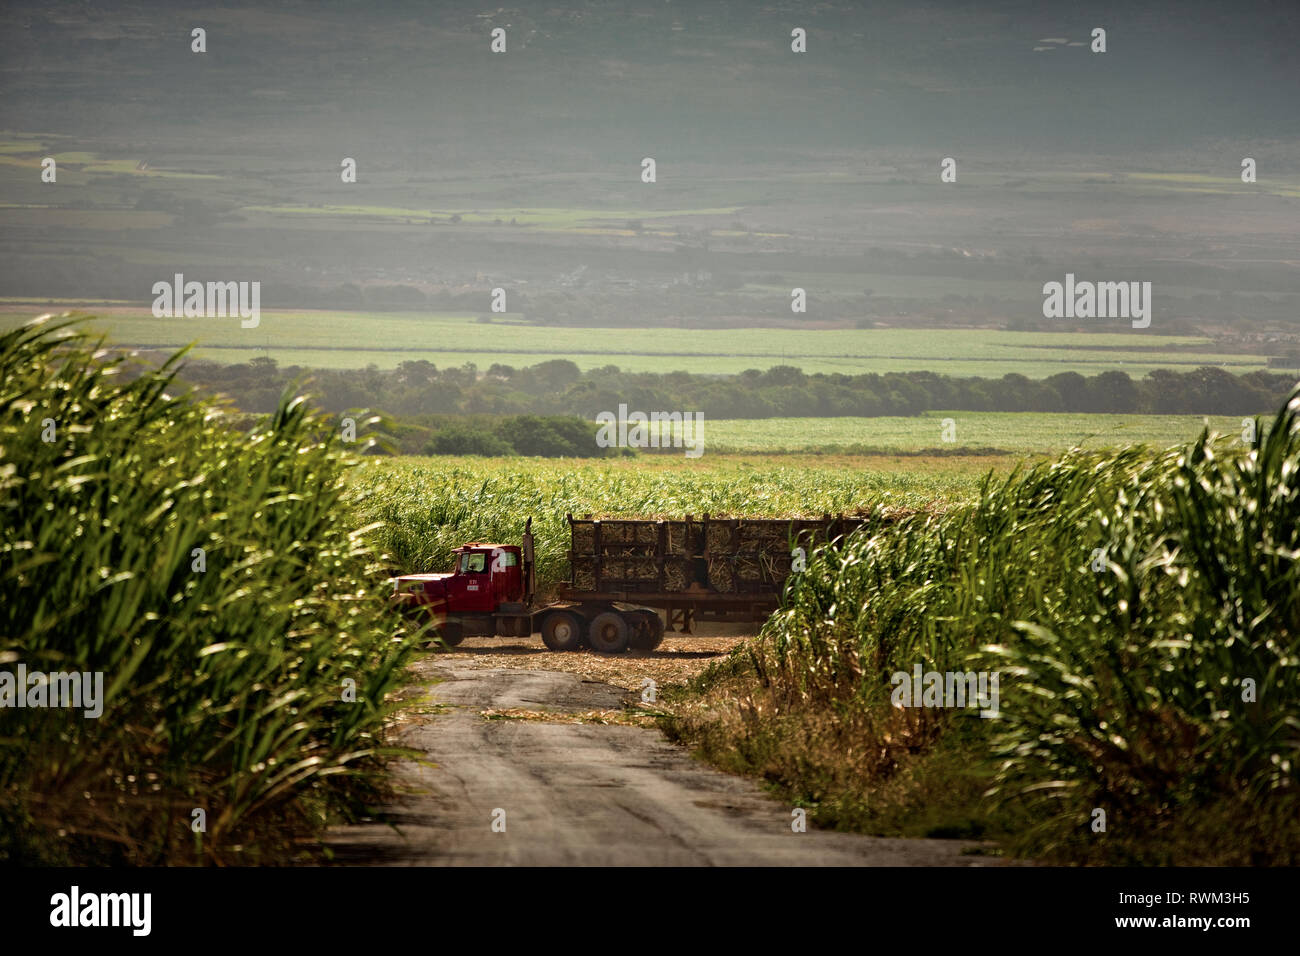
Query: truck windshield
{"points": [[473, 563]]}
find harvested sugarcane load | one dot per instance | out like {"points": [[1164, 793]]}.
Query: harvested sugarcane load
{"points": [[616, 537], [718, 554], [678, 574], [613, 536], [746, 535], [722, 576], [682, 538], [749, 572], [644, 533], [583, 536], [624, 573]]}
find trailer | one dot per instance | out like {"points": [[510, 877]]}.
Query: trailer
{"points": [[624, 574]]}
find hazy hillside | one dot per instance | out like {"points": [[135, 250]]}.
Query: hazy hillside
{"points": [[775, 169]]}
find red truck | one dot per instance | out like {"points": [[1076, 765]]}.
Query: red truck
{"points": [[623, 574]]}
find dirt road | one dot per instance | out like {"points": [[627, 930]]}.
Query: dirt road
{"points": [[524, 772]]}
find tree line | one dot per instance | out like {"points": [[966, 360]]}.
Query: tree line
{"points": [[559, 388]]}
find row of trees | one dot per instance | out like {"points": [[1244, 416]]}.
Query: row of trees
{"points": [[559, 387], [551, 436]]}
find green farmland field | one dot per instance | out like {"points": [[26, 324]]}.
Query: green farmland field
{"points": [[356, 339], [1016, 432], [425, 507]]}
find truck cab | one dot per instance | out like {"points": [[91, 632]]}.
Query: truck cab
{"points": [[490, 591], [487, 592]]}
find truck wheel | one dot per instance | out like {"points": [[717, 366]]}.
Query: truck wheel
{"points": [[609, 633], [649, 633], [451, 634], [562, 631]]}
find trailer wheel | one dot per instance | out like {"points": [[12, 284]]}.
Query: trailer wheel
{"points": [[562, 631], [649, 633], [609, 633]]}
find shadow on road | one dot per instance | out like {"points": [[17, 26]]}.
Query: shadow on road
{"points": [[524, 650]]}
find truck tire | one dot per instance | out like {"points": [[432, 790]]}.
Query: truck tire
{"points": [[562, 631], [450, 633], [650, 632], [609, 633]]}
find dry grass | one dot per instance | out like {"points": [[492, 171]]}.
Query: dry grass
{"points": [[628, 718], [678, 660], [872, 771]]}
